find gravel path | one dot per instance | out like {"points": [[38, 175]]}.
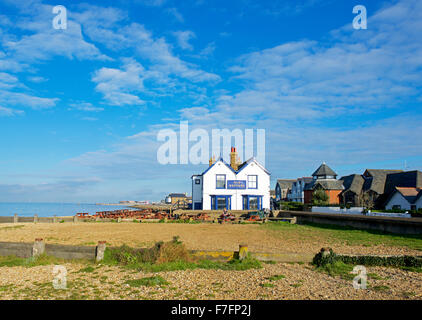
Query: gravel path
{"points": [[299, 282]]}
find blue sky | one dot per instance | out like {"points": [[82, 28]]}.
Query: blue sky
{"points": [[80, 108]]}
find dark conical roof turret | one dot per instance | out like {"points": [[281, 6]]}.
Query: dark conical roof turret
{"points": [[324, 171]]}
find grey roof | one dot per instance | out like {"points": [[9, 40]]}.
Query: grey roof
{"points": [[326, 184], [324, 170], [285, 183], [410, 179], [375, 179], [177, 195], [353, 182]]}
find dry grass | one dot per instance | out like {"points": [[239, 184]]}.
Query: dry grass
{"points": [[260, 238]]}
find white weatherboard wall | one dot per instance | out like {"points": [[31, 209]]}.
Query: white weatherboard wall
{"points": [[398, 200], [208, 186]]}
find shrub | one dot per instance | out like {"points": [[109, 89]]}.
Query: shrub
{"points": [[170, 256], [327, 257], [319, 198]]}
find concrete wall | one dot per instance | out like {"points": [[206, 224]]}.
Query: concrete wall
{"points": [[31, 219], [70, 252], [6, 219], [356, 210], [383, 224], [21, 250], [24, 250]]}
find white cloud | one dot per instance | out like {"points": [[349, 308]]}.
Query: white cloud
{"points": [[26, 100], [115, 84], [354, 72], [208, 50], [7, 112], [176, 14], [85, 106], [37, 79], [183, 38], [152, 3]]}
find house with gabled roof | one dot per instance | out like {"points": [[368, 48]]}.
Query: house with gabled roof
{"points": [[282, 188], [234, 186], [352, 193], [297, 193], [405, 198]]}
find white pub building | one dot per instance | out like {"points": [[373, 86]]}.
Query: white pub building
{"points": [[236, 186]]}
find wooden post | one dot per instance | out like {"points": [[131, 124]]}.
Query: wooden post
{"points": [[15, 218], [99, 251], [243, 251], [75, 218], [35, 218], [38, 247]]}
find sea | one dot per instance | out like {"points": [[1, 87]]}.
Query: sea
{"points": [[51, 209]]}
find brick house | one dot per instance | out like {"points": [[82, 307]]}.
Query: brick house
{"points": [[326, 179]]}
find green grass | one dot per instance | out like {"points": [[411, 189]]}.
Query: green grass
{"points": [[12, 227], [297, 284], [42, 260], [147, 282], [343, 235], [276, 277], [88, 269], [338, 268], [184, 265], [267, 285], [170, 256], [412, 269], [381, 288]]}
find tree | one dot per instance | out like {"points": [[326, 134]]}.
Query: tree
{"points": [[319, 198], [368, 200]]}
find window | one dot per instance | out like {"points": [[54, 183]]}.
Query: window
{"points": [[252, 202], [221, 181], [220, 202], [197, 181], [252, 182]]}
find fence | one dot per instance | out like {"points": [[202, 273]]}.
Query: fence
{"points": [[35, 219], [27, 250]]}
